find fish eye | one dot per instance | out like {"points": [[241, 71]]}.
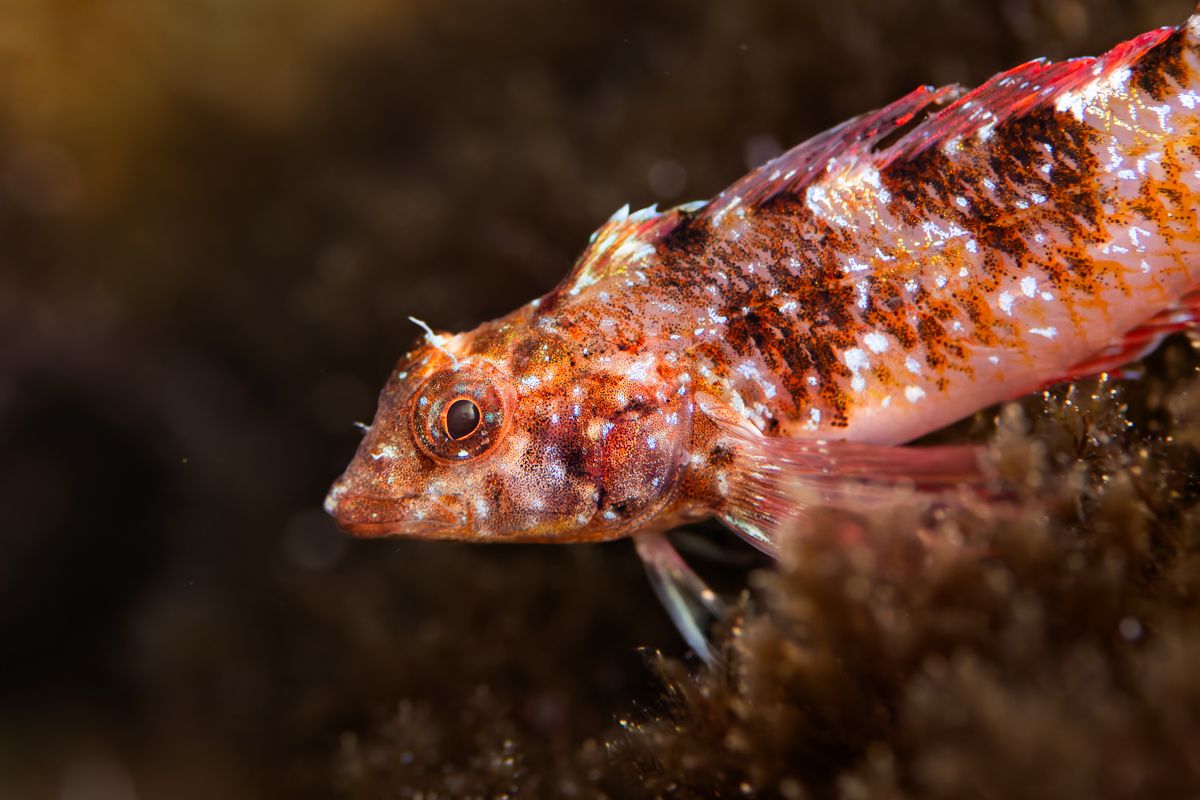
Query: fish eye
{"points": [[457, 415], [462, 418]]}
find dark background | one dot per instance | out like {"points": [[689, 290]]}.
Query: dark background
{"points": [[215, 218]]}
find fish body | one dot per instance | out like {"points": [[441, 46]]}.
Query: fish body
{"points": [[897, 273]]}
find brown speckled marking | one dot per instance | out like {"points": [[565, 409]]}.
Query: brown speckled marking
{"points": [[884, 278], [1166, 61]]}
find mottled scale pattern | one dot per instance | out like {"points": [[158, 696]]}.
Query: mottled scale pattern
{"points": [[854, 290], [899, 272]]}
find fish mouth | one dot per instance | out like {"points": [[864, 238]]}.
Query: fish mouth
{"points": [[411, 515]]}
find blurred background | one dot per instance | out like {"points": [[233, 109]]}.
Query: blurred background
{"points": [[215, 217]]}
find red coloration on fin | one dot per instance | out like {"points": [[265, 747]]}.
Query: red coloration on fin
{"points": [[1018, 91], [887, 136], [808, 162], [770, 472]]}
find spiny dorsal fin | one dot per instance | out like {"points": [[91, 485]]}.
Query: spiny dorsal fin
{"points": [[620, 244]]}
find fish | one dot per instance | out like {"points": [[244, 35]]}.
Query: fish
{"points": [[901, 271]]}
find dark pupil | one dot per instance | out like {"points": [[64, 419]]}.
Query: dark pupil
{"points": [[462, 418]]}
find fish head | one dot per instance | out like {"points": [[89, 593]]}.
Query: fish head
{"points": [[500, 446]]}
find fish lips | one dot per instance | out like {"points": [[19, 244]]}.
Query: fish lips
{"points": [[413, 515]]}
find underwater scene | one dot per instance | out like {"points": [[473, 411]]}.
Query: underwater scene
{"points": [[906, 558]]}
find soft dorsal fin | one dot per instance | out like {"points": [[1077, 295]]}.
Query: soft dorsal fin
{"points": [[1020, 90], [808, 162], [927, 117]]}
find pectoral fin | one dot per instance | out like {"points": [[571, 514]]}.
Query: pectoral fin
{"points": [[771, 478]]}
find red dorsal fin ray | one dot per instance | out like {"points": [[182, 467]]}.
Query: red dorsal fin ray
{"points": [[1018, 91], [808, 162], [924, 118]]}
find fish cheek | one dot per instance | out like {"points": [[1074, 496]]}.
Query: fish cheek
{"points": [[639, 461]]}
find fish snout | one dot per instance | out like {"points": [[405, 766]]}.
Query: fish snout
{"points": [[369, 515]]}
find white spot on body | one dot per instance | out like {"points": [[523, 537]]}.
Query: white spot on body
{"points": [[1005, 302], [1135, 236], [856, 359], [913, 393], [876, 342]]}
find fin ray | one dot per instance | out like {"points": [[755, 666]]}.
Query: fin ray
{"points": [[808, 162], [688, 600], [888, 136], [771, 474]]}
